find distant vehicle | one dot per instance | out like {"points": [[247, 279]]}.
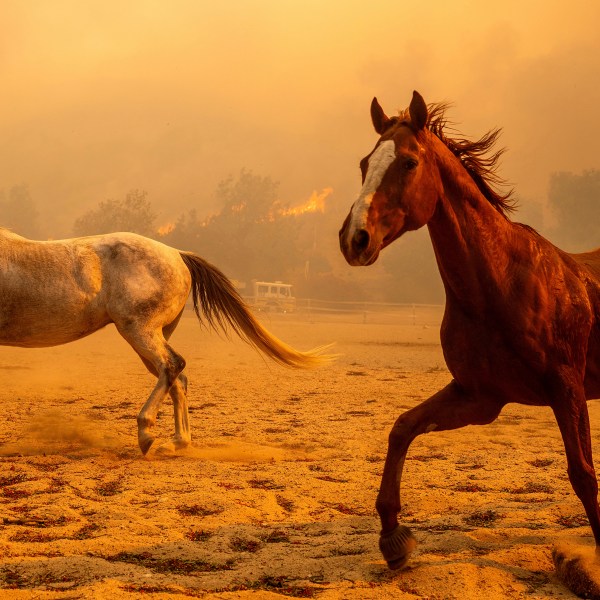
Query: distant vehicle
{"points": [[273, 296]]}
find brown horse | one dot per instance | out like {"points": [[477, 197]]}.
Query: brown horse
{"points": [[59, 291], [522, 317]]}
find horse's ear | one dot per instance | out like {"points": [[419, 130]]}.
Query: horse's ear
{"points": [[379, 118], [418, 111]]}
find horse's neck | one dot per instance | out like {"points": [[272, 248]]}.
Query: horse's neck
{"points": [[470, 237]]}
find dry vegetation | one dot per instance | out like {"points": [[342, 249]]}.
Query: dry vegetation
{"points": [[276, 497]]}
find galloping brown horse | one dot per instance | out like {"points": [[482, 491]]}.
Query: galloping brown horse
{"points": [[522, 317]]}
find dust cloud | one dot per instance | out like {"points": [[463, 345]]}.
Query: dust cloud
{"points": [[49, 431], [238, 451]]}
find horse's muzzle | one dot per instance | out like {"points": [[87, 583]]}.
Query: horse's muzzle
{"points": [[357, 247]]}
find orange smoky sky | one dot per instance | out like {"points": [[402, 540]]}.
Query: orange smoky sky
{"points": [[99, 98]]}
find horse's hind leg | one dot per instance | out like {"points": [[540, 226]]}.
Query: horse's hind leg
{"points": [[450, 408], [178, 393], [167, 365]]}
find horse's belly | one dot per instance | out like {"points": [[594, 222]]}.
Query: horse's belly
{"points": [[482, 361], [39, 329]]}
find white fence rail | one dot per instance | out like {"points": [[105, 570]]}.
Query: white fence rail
{"points": [[325, 311], [367, 312]]}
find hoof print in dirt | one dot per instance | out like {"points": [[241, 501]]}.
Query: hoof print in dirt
{"points": [[578, 569], [397, 546]]}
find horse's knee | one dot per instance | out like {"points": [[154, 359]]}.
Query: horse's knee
{"points": [[408, 426], [398, 434]]}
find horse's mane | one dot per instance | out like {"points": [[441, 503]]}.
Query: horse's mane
{"points": [[476, 158]]}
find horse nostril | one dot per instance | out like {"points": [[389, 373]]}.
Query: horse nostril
{"points": [[360, 240]]}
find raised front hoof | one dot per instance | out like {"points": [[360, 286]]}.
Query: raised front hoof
{"points": [[578, 567], [397, 546]]}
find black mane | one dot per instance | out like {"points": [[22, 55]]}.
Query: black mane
{"points": [[476, 158]]}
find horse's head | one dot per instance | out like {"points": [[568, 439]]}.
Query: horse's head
{"points": [[397, 195]]}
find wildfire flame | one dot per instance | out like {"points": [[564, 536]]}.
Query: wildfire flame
{"points": [[316, 203], [166, 229]]}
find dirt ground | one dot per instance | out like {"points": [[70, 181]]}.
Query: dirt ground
{"points": [[276, 496]]}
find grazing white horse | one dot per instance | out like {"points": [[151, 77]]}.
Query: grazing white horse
{"points": [[54, 292]]}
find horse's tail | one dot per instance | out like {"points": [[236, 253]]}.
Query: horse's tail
{"points": [[219, 303]]}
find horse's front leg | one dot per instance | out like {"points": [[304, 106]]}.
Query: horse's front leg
{"points": [[577, 565], [573, 420], [450, 408]]}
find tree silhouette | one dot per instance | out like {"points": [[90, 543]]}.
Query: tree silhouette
{"points": [[133, 213], [250, 237], [249, 198], [18, 211], [575, 200]]}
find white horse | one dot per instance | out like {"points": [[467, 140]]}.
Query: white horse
{"points": [[56, 292]]}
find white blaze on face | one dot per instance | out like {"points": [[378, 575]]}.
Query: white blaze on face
{"points": [[379, 163]]}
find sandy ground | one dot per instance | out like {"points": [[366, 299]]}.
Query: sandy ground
{"points": [[276, 496]]}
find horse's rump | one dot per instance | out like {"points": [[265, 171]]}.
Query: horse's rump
{"points": [[590, 261]]}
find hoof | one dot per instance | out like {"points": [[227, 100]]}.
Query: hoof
{"points": [[397, 546], [181, 444], [578, 567], [172, 447], [145, 444]]}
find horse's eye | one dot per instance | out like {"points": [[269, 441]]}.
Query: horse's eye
{"points": [[411, 164]]}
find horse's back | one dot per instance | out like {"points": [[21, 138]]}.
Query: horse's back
{"points": [[130, 251], [590, 261], [54, 292]]}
